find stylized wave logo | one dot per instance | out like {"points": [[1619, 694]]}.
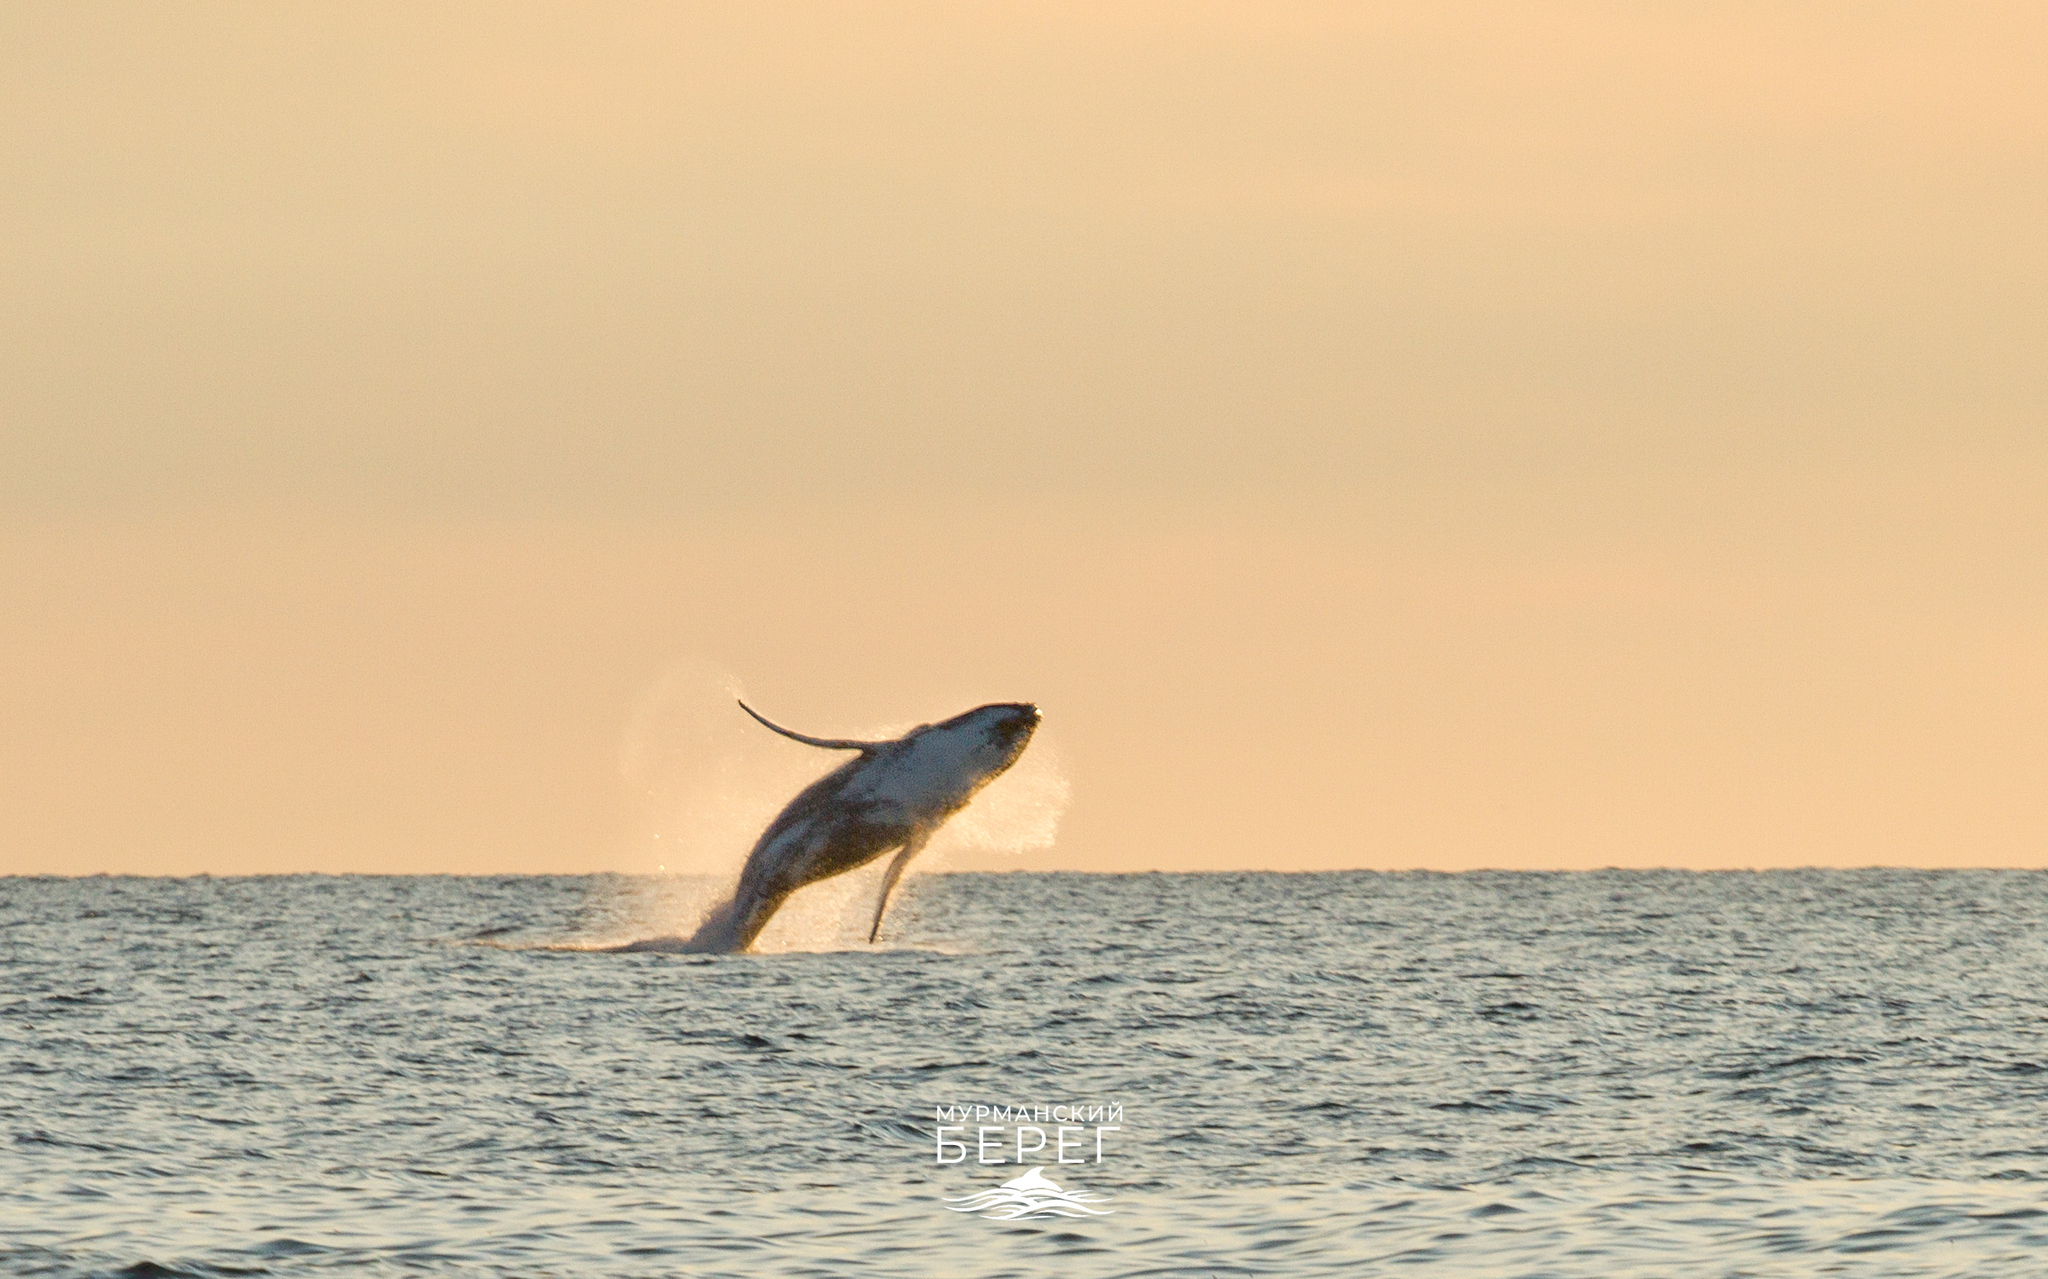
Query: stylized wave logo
{"points": [[1031, 1197]]}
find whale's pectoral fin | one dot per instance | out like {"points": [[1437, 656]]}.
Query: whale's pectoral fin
{"points": [[828, 743], [902, 859]]}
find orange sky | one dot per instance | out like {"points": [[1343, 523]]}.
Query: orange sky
{"points": [[1380, 436]]}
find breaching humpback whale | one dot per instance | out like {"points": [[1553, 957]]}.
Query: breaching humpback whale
{"points": [[892, 795]]}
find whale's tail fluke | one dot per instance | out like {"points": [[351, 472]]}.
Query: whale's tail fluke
{"points": [[717, 935], [729, 929]]}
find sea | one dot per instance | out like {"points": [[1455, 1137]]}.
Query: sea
{"points": [[1611, 1073]]}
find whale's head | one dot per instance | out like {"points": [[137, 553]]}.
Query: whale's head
{"points": [[988, 738]]}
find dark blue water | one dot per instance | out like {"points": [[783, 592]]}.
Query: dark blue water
{"points": [[1361, 1074]]}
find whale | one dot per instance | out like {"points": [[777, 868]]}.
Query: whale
{"points": [[892, 796]]}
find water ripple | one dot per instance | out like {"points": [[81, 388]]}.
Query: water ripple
{"points": [[1356, 1074]]}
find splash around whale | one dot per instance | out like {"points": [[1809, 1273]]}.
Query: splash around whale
{"points": [[893, 795]]}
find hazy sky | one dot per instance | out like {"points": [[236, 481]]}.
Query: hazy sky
{"points": [[1433, 435]]}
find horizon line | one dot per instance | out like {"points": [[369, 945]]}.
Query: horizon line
{"points": [[1102, 874]]}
